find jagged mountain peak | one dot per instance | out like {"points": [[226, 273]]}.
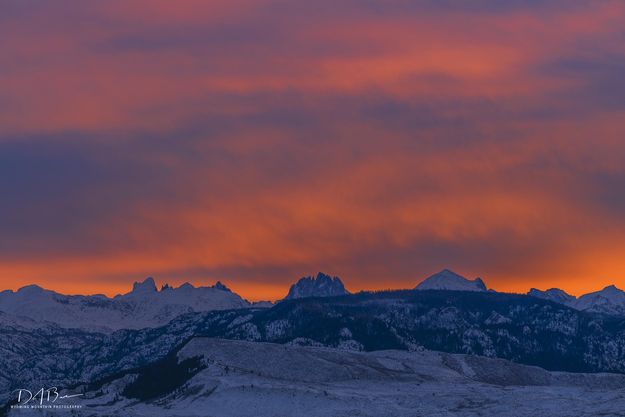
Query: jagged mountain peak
{"points": [[147, 286], [322, 285], [449, 280], [186, 286], [611, 289], [220, 286]]}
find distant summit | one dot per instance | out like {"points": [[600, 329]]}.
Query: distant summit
{"points": [[220, 286], [142, 307], [609, 300], [449, 280], [320, 286], [553, 294], [147, 286]]}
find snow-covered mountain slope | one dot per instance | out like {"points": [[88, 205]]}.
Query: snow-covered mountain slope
{"points": [[234, 378], [320, 286], [609, 300], [144, 306], [553, 294], [449, 280], [511, 326]]}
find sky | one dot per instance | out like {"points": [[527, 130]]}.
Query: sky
{"points": [[259, 141]]}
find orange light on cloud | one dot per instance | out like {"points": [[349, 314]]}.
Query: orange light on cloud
{"points": [[262, 141]]}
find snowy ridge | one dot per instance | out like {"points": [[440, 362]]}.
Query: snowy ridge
{"points": [[144, 306], [609, 300], [553, 294], [449, 280]]}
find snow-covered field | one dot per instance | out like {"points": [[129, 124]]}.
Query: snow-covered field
{"points": [[261, 379]]}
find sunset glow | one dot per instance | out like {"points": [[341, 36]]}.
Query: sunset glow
{"points": [[255, 142]]}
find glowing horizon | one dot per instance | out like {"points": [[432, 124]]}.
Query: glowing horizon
{"points": [[273, 292]]}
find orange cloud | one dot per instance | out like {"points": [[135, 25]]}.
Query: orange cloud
{"points": [[260, 141]]}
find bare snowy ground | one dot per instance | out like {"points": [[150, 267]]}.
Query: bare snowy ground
{"points": [[261, 380]]}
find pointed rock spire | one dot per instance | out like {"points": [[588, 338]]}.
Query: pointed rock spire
{"points": [[320, 286], [147, 286], [218, 285]]}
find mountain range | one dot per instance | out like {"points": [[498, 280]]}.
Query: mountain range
{"points": [[320, 286], [519, 328], [91, 341], [609, 300], [146, 306]]}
